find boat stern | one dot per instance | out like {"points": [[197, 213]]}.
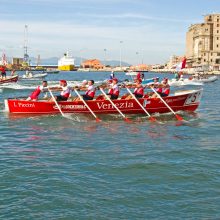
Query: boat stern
{"points": [[6, 105]]}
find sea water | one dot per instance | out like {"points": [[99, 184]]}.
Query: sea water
{"points": [[55, 168]]}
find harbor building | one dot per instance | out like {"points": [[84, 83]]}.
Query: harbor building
{"points": [[203, 43], [93, 64]]}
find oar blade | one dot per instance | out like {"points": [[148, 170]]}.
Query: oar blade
{"points": [[152, 119], [127, 120], [98, 120], [179, 118]]}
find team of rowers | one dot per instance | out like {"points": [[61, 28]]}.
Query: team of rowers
{"points": [[162, 89]]}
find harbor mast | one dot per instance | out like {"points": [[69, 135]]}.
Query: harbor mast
{"points": [[26, 56]]}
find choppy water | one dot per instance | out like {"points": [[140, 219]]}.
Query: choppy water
{"points": [[55, 168]]}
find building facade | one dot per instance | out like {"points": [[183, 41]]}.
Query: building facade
{"points": [[93, 64], [203, 43]]}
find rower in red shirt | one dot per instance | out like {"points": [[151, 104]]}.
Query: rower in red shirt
{"points": [[165, 88], [138, 91], [65, 91], [114, 91], [34, 95], [90, 90], [90, 93]]}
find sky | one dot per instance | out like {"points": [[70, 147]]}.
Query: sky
{"points": [[135, 31]]}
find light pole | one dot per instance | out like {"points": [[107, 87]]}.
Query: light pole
{"points": [[120, 52], [137, 53], [105, 56]]}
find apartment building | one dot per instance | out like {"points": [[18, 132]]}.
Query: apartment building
{"points": [[203, 43]]}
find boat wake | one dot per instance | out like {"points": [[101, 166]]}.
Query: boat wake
{"points": [[16, 86]]}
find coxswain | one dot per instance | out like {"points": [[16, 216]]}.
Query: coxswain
{"points": [[34, 95], [113, 92]]}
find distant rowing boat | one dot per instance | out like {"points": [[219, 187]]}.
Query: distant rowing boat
{"points": [[31, 76], [9, 79]]}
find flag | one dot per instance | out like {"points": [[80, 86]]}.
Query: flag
{"points": [[181, 65]]}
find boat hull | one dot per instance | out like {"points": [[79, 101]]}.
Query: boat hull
{"points": [[66, 68], [9, 79], [187, 101], [206, 80]]}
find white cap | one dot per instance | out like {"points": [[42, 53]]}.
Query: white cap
{"points": [[84, 81]]}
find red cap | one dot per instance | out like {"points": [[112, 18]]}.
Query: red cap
{"points": [[139, 80], [63, 81], [115, 79]]}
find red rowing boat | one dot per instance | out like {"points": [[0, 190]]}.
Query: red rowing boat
{"points": [[9, 79], [180, 101]]}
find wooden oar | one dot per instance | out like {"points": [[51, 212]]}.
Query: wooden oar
{"points": [[56, 103], [133, 96], [179, 118], [125, 118], [97, 119]]}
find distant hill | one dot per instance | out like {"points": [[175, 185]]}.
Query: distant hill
{"points": [[54, 61]]}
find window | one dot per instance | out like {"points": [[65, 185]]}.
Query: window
{"points": [[217, 38], [217, 31], [204, 60], [211, 54], [217, 25], [218, 54], [211, 60], [204, 54], [217, 45], [217, 61]]}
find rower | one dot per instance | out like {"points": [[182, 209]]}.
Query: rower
{"points": [[138, 91], [113, 92], [34, 95], [166, 88], [65, 93], [157, 85], [90, 92]]}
